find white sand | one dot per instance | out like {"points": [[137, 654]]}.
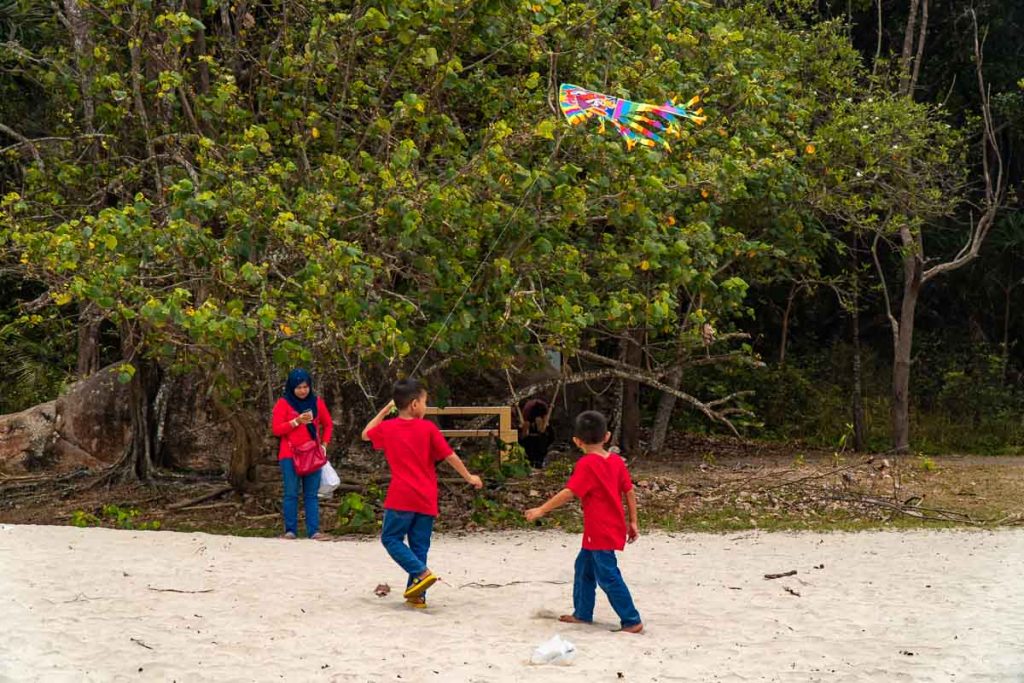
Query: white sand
{"points": [[76, 604]]}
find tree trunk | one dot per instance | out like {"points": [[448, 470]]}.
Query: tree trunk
{"points": [[245, 448], [81, 43], [630, 438], [666, 405], [903, 343], [1005, 352], [195, 10], [88, 341], [858, 390], [140, 460], [907, 53], [785, 323]]}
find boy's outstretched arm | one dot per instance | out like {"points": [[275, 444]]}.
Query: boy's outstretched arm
{"points": [[377, 419], [633, 530], [553, 503], [456, 464]]}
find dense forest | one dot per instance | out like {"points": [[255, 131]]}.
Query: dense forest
{"points": [[209, 193]]}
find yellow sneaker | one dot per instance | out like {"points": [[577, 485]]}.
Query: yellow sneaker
{"points": [[420, 585], [417, 603]]}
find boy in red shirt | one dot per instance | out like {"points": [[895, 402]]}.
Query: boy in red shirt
{"points": [[599, 480], [412, 446]]}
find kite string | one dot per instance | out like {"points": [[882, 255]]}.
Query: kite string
{"points": [[484, 260]]}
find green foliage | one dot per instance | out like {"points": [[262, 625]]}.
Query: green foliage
{"points": [[491, 513], [330, 206], [496, 469], [113, 516], [350, 186], [356, 514], [962, 403]]}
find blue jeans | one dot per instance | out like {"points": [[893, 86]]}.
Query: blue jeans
{"points": [[310, 487], [599, 568], [399, 524]]}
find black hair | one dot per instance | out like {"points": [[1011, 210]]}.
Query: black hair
{"points": [[591, 427], [535, 409], [405, 391]]}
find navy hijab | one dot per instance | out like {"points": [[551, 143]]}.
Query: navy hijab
{"points": [[295, 378]]}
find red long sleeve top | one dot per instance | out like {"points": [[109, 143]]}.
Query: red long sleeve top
{"points": [[281, 426]]}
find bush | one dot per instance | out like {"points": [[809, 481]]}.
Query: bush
{"points": [[113, 516]]}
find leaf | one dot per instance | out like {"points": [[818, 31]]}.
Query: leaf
{"points": [[546, 129]]}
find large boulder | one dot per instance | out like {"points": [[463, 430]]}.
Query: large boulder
{"points": [[89, 426], [25, 437], [93, 418]]}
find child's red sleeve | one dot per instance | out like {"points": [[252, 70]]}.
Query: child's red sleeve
{"points": [[625, 481], [439, 448], [581, 480], [378, 436]]}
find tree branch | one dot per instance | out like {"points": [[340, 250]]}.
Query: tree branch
{"points": [[885, 290], [995, 183], [22, 140]]}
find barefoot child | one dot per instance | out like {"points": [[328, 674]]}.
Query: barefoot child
{"points": [[599, 480], [412, 446]]}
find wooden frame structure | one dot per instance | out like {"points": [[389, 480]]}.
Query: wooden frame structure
{"points": [[505, 432]]}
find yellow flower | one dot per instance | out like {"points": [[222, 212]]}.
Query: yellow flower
{"points": [[286, 329], [645, 265], [704, 194], [810, 149], [315, 132], [671, 220]]}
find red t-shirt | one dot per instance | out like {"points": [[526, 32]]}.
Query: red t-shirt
{"points": [[412, 448], [599, 483]]}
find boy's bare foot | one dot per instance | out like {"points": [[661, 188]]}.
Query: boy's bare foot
{"points": [[319, 536], [635, 628], [571, 619]]}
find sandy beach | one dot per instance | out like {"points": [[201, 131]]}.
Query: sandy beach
{"points": [[103, 605]]}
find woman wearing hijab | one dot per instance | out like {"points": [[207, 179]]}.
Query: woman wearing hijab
{"points": [[300, 416]]}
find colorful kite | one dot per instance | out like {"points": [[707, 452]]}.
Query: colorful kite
{"points": [[637, 122]]}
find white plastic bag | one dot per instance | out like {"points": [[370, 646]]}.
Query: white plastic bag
{"points": [[329, 480], [557, 650]]}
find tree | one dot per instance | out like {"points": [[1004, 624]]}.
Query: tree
{"points": [[894, 168]]}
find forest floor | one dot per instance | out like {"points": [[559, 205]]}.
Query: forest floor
{"points": [[698, 483]]}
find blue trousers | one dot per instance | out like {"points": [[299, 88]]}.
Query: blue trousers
{"points": [[599, 568], [417, 527], [290, 504]]}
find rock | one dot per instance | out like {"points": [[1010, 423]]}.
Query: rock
{"points": [[93, 419], [25, 437], [87, 427], [90, 426]]}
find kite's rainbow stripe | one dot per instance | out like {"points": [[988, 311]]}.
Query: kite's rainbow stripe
{"points": [[579, 104]]}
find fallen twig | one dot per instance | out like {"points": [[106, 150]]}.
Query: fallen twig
{"points": [[791, 591], [200, 499], [769, 577], [510, 583], [139, 642], [192, 508], [176, 590]]}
